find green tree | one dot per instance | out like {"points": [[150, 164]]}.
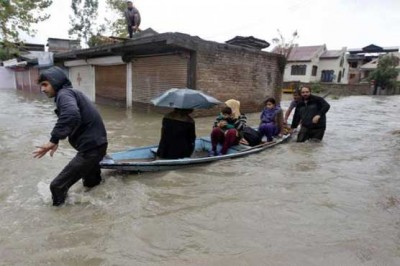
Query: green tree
{"points": [[8, 51], [18, 16], [385, 74], [83, 21], [118, 26]]}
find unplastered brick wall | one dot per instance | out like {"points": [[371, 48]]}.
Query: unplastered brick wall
{"points": [[247, 75]]}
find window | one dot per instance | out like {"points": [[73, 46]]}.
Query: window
{"points": [[314, 70], [327, 75], [353, 64], [298, 70]]}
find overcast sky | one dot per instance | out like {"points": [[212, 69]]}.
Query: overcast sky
{"points": [[336, 23]]}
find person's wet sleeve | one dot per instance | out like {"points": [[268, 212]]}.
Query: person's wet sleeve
{"points": [[69, 116]]}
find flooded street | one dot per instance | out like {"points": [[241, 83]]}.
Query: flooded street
{"points": [[331, 203]]}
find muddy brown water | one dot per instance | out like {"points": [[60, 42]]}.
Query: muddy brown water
{"points": [[331, 203]]}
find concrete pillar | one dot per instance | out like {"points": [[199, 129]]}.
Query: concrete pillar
{"points": [[93, 89], [129, 85], [30, 80]]}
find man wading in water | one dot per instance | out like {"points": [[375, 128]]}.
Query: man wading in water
{"points": [[311, 114], [78, 120]]}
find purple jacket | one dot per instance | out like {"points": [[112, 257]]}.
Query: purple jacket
{"points": [[269, 115]]}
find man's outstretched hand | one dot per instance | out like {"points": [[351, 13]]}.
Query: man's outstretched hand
{"points": [[42, 150]]}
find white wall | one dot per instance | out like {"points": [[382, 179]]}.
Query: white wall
{"points": [[82, 78], [304, 78], [7, 79], [334, 64]]}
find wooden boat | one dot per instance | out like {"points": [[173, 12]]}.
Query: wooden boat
{"points": [[144, 159]]}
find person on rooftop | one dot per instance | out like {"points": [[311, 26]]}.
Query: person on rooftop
{"points": [[132, 18]]}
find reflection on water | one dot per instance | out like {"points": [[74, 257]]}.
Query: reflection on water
{"points": [[334, 202]]}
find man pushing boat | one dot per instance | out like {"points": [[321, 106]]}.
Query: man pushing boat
{"points": [[78, 120]]}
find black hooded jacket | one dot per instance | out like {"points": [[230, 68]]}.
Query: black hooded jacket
{"points": [[78, 118], [305, 111]]}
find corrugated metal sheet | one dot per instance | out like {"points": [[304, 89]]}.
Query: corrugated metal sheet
{"points": [[19, 79], [154, 75], [111, 82], [82, 79]]}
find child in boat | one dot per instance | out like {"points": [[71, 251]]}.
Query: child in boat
{"points": [[271, 120], [224, 120], [227, 130]]}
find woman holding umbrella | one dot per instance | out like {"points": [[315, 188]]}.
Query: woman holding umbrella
{"points": [[178, 132], [178, 135]]}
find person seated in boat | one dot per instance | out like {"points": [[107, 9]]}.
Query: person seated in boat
{"points": [[271, 120], [178, 135], [225, 120], [293, 105], [223, 134]]}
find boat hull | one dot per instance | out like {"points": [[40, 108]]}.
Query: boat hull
{"points": [[144, 159]]}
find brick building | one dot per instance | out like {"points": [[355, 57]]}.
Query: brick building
{"points": [[136, 70]]}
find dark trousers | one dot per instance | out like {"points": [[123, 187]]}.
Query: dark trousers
{"points": [[310, 133], [131, 31], [85, 166], [269, 130]]}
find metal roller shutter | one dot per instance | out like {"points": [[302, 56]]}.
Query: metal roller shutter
{"points": [[111, 82], [154, 75]]}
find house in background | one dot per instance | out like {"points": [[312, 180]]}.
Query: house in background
{"points": [[362, 60], [33, 57], [333, 66], [316, 64], [367, 68], [22, 67], [302, 64]]}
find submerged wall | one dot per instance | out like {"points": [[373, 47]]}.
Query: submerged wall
{"points": [[7, 79], [242, 74], [339, 89]]}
